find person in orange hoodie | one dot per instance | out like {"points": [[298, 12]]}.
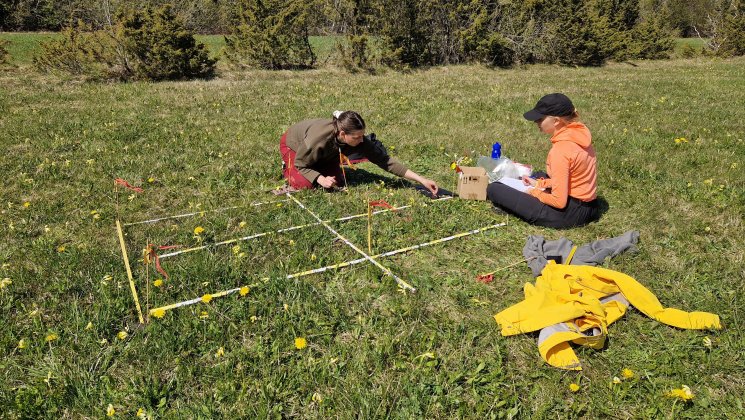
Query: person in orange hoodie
{"points": [[566, 195]]}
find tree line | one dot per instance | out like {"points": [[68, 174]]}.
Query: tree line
{"points": [[153, 39]]}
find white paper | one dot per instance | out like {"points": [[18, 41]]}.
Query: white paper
{"points": [[514, 183]]}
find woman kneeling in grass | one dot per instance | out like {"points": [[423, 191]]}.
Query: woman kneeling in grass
{"points": [[565, 196], [311, 152]]}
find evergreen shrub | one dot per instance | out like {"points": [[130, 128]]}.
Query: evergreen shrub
{"points": [[271, 34]]}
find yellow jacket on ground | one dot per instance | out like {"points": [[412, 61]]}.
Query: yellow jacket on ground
{"points": [[576, 303]]}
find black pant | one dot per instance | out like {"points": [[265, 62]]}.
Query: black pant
{"points": [[530, 209]]}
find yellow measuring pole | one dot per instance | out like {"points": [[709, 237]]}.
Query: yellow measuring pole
{"points": [[129, 270]]}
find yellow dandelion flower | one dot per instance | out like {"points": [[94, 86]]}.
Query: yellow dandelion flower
{"points": [[313, 257], [616, 380], [110, 412], [220, 352], [158, 283], [453, 166], [27, 204], [684, 393], [300, 343], [61, 248], [207, 298], [627, 373], [94, 212], [51, 337], [286, 307], [198, 230], [242, 224], [279, 204], [317, 398], [22, 344], [573, 387], [236, 249], [707, 342], [204, 315], [121, 335], [141, 414], [158, 313], [244, 290], [151, 180], [292, 243], [5, 282], [253, 318], [89, 326]]}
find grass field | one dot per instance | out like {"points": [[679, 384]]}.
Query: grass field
{"points": [[72, 345]]}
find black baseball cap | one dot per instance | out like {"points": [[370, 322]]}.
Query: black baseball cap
{"points": [[555, 105]]}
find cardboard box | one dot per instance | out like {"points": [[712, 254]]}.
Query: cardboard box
{"points": [[472, 183]]}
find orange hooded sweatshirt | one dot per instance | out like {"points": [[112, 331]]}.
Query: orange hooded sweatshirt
{"points": [[571, 166]]}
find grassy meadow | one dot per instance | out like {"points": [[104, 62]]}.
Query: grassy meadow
{"points": [[669, 137]]}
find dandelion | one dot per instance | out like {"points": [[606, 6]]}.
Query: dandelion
{"points": [[286, 307], [253, 318], [236, 249], [627, 373], [110, 411], [292, 243], [707, 342], [317, 398], [51, 337], [279, 204], [313, 257], [684, 393], [204, 315], [121, 335], [616, 380], [158, 313], [573, 387], [220, 352], [680, 140], [151, 180], [141, 414], [242, 225], [198, 230], [158, 283], [207, 298], [89, 326], [244, 291], [27, 204], [61, 249], [5, 282], [707, 229], [22, 344], [300, 343]]}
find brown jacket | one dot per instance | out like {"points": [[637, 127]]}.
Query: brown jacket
{"points": [[314, 144]]}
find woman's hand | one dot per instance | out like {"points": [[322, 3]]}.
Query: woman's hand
{"points": [[326, 181], [529, 181], [430, 185]]}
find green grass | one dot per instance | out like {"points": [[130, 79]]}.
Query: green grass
{"points": [[372, 351]]}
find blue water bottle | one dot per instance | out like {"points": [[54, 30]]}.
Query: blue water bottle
{"points": [[496, 151]]}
